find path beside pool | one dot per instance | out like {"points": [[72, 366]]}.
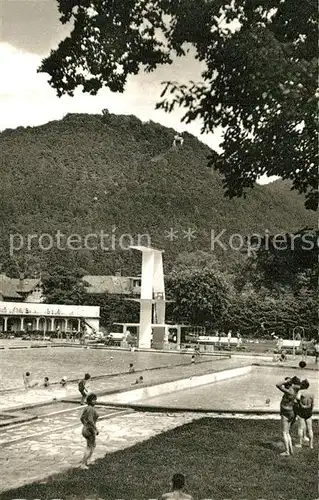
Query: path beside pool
{"points": [[47, 454]]}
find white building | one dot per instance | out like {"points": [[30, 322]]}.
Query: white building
{"points": [[24, 317]]}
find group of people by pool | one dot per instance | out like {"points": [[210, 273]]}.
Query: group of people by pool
{"points": [[296, 406]]}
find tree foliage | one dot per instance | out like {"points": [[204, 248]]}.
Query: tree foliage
{"points": [[63, 286], [259, 79], [200, 297], [114, 309], [286, 262], [83, 157], [280, 315]]}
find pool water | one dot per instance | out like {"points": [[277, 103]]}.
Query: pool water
{"points": [[57, 362], [247, 392]]}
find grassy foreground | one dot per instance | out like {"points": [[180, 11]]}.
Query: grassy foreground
{"points": [[221, 458]]}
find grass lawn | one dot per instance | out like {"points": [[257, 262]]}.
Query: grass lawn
{"points": [[221, 458]]}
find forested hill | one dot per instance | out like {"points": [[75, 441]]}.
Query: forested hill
{"points": [[88, 173]]}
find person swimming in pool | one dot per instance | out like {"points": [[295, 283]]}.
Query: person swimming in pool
{"points": [[290, 388], [27, 381]]}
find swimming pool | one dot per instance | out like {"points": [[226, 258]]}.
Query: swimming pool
{"points": [[73, 362], [247, 392]]}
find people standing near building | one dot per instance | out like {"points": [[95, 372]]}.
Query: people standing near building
{"points": [[58, 333], [82, 331], [46, 382], [82, 386], [89, 431], [219, 339], [177, 493], [304, 349], [63, 381], [229, 337]]}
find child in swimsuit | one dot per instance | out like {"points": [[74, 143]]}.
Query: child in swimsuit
{"points": [[82, 387], [303, 409], [290, 388], [89, 432]]}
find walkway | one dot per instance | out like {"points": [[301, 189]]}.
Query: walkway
{"points": [[41, 456]]}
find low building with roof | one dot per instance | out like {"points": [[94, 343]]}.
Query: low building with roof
{"points": [[129, 286], [22, 309], [20, 289]]}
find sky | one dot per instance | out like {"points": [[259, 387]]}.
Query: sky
{"points": [[29, 30]]}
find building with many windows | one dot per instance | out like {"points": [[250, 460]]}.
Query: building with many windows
{"points": [[22, 309], [32, 317]]}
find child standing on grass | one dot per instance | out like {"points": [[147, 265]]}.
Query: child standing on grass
{"points": [[89, 432], [177, 493], [290, 388], [303, 409]]}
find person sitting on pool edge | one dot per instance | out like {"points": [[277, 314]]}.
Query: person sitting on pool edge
{"points": [[177, 493], [290, 388], [303, 408]]}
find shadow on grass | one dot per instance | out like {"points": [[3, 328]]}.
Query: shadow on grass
{"points": [[221, 458], [273, 444]]}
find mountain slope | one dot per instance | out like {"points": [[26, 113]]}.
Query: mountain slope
{"points": [[87, 173]]}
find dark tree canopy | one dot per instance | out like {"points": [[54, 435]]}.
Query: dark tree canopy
{"points": [[62, 286], [201, 296], [259, 79]]}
